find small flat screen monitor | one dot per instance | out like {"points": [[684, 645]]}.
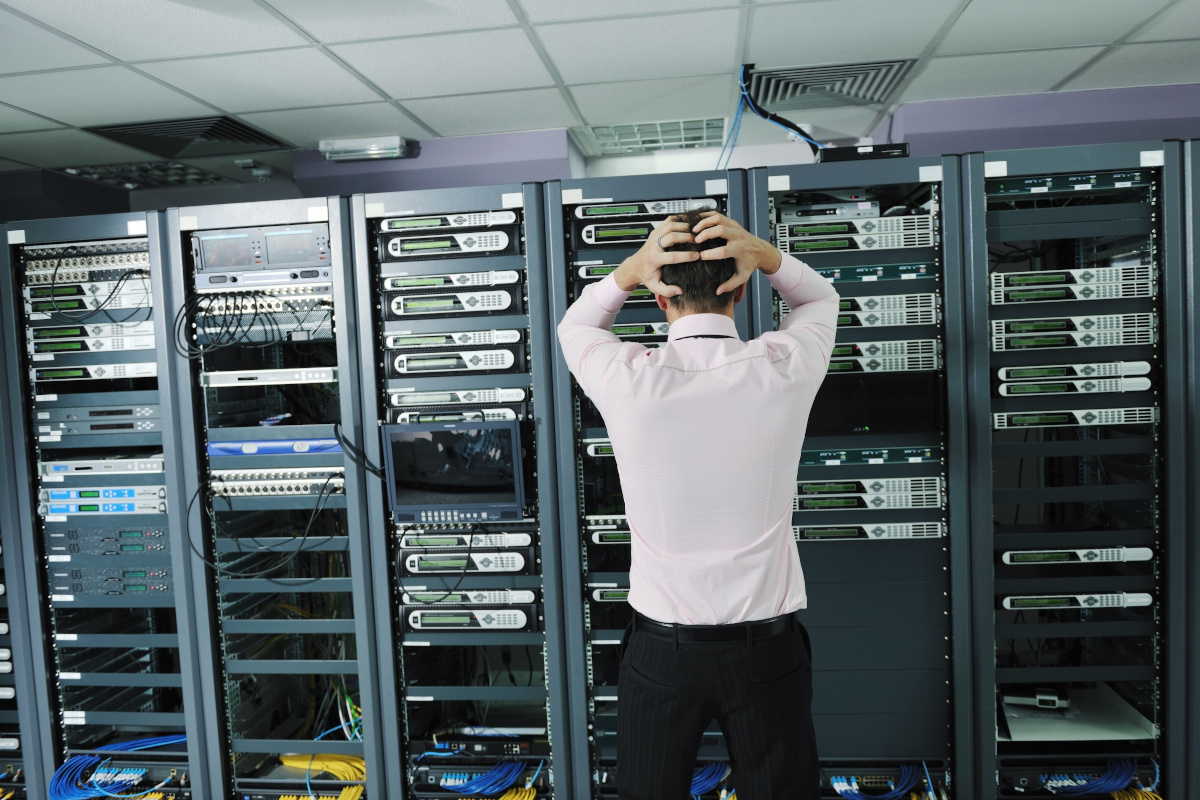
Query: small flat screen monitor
{"points": [[454, 472]]}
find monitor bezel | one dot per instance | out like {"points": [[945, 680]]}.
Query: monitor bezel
{"points": [[502, 510]]}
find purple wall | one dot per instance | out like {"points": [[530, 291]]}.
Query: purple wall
{"points": [[443, 163], [1145, 113]]}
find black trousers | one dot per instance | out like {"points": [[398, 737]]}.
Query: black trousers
{"points": [[760, 693]]}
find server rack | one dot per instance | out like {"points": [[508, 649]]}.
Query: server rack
{"points": [[19, 726], [1075, 314], [887, 574], [452, 288], [1191, 294], [595, 541], [276, 541], [94, 512]]}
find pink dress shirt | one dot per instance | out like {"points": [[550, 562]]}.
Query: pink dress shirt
{"points": [[707, 434]]}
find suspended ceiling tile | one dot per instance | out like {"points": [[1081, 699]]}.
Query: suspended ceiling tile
{"points": [[12, 166], [373, 19], [672, 46], [1156, 64], [25, 47], [837, 32], [989, 26], [650, 101], [1180, 21], [457, 63], [996, 74], [526, 110], [265, 81], [97, 96], [306, 127], [136, 29], [546, 10], [67, 148], [13, 120]]}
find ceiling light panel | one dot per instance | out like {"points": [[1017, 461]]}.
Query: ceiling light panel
{"points": [[137, 29], [265, 81], [836, 32], [988, 26], [25, 47], [458, 63], [66, 148], [305, 127], [547, 10], [375, 19], [1156, 64], [527, 110], [97, 96], [647, 137], [994, 75], [668, 46]]}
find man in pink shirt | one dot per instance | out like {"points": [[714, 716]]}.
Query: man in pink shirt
{"points": [[707, 432]]}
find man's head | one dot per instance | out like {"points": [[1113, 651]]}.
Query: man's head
{"points": [[699, 279]]}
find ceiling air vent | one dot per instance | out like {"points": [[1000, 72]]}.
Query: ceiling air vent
{"points": [[645, 137], [789, 88], [191, 138]]}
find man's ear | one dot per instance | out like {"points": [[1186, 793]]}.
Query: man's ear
{"points": [[662, 302], [739, 293]]}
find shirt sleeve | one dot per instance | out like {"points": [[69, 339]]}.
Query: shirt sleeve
{"points": [[812, 321], [588, 344]]}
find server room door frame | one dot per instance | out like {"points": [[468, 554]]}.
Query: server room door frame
{"points": [[298, 213], [978, 169], [366, 211], [910, 171], [727, 186], [35, 662]]}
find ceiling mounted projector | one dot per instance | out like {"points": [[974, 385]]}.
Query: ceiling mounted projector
{"points": [[369, 148]]}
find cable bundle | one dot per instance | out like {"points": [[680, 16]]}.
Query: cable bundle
{"points": [[847, 787], [708, 778], [1120, 781], [343, 768], [68, 782], [349, 793], [492, 782]]}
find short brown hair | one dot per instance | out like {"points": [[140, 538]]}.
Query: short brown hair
{"points": [[699, 279]]}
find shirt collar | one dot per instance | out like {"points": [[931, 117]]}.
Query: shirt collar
{"points": [[702, 325]]}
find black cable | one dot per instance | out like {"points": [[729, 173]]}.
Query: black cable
{"points": [[356, 455], [767, 115], [475, 526]]}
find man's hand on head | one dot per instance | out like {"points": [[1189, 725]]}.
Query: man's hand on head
{"points": [[748, 251], [645, 266]]}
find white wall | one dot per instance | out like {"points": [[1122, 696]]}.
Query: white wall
{"points": [[699, 159]]}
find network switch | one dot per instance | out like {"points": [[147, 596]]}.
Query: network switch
{"points": [[404, 282], [402, 306], [1077, 417], [890, 530], [469, 219], [272, 482], [459, 562]]}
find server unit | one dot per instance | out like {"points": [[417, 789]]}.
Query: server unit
{"points": [[879, 487], [274, 535], [1074, 280], [86, 326], [457, 427], [593, 225]]}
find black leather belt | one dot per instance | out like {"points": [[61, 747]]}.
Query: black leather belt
{"points": [[714, 634]]}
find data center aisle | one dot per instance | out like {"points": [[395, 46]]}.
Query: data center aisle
{"points": [[592, 226], [454, 341], [98, 508], [1076, 316], [274, 531], [881, 497]]}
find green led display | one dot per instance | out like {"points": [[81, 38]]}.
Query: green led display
{"points": [[135, 587], [413, 341], [444, 563], [131, 534], [429, 222], [799, 230], [1037, 294], [433, 541], [132, 548], [845, 320], [614, 594], [57, 333], [1039, 372], [61, 373], [58, 291], [830, 533], [1039, 388], [842, 366], [134, 573], [843, 350], [1032, 558], [1040, 341], [616, 538], [45, 347], [438, 302], [821, 244], [406, 283], [828, 488], [604, 234], [1048, 277], [830, 502], [597, 211], [89, 508], [438, 243], [1036, 602], [446, 619], [91, 494], [58, 305], [432, 363], [1039, 325], [1039, 419]]}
